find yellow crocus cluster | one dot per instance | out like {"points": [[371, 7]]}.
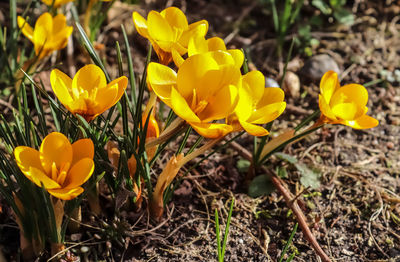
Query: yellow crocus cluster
{"points": [[48, 35], [209, 87], [208, 91]]}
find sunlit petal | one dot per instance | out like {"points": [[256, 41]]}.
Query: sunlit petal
{"points": [[362, 122], [345, 111], [26, 29], [175, 18], [353, 93], [89, 77], [83, 148], [140, 24], [61, 85], [221, 104], [325, 108], [26, 158], [254, 129], [192, 71], [79, 173], [181, 107], [66, 193], [328, 85], [55, 148], [212, 130], [158, 28]]}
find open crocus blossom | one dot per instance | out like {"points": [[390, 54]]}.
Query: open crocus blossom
{"points": [[168, 30], [88, 93], [56, 3], [48, 35], [257, 104], [204, 90], [344, 105], [59, 166], [197, 45]]}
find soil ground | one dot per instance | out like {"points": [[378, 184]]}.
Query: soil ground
{"points": [[355, 212]]}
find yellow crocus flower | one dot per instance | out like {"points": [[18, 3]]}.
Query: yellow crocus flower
{"points": [[168, 30], [56, 3], [61, 167], [48, 35], [205, 89], [198, 45], [344, 105], [88, 93], [257, 104]]}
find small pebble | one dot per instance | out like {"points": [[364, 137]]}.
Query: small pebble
{"points": [[84, 249], [318, 65], [291, 84], [269, 82], [390, 145], [241, 241]]}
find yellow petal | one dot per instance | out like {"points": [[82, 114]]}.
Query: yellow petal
{"points": [[61, 85], [181, 107], [352, 93], [192, 71], [178, 59], [28, 161], [362, 122], [25, 28], [140, 24], [244, 108], [254, 129], [66, 193], [199, 28], [214, 80], [83, 148], [269, 107], [122, 83], [38, 177], [55, 148], [216, 43], [254, 82], [159, 29], [26, 158], [345, 111], [224, 57], [237, 56], [326, 109], [271, 95], [60, 39], [161, 79], [175, 18], [211, 130], [42, 33], [328, 85], [221, 104], [89, 77], [105, 98], [79, 173], [267, 113], [197, 45], [59, 23]]}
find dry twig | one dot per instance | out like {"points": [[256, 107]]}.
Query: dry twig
{"points": [[293, 205]]}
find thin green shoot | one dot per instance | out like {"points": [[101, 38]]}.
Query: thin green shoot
{"points": [[221, 247]]}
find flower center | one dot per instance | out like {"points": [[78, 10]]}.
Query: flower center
{"points": [[59, 175]]}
